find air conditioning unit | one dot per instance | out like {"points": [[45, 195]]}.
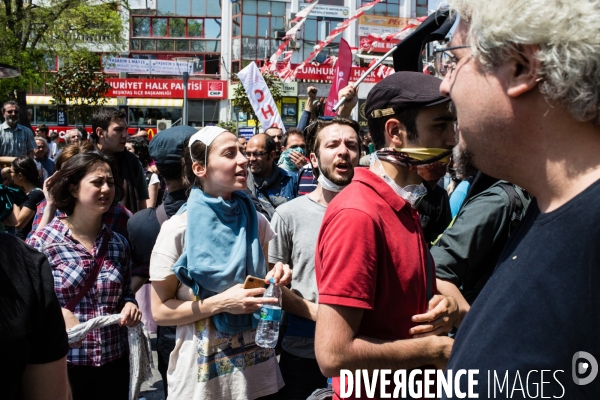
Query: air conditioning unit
{"points": [[294, 45], [163, 124]]}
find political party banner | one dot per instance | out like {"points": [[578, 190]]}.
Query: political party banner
{"points": [[166, 88], [260, 97], [341, 76]]}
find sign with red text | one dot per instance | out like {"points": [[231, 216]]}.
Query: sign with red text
{"points": [[260, 97], [166, 88]]}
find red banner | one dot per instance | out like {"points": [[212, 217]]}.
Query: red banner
{"points": [[342, 75], [166, 88], [325, 73]]}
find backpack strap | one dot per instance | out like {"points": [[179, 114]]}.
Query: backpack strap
{"points": [[98, 261], [161, 214], [516, 205]]}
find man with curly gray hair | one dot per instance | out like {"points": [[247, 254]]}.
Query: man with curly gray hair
{"points": [[524, 76]]}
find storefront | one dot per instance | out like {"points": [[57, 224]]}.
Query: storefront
{"points": [[145, 101]]}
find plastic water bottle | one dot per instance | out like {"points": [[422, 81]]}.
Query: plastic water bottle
{"points": [[267, 331]]}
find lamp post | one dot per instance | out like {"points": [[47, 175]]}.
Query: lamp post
{"points": [[186, 77]]}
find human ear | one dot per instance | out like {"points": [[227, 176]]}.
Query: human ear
{"points": [[73, 190], [313, 160], [523, 71], [395, 133], [199, 170], [99, 132]]}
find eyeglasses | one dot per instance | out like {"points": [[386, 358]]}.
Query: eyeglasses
{"points": [[12, 111], [255, 154], [40, 147], [445, 62]]}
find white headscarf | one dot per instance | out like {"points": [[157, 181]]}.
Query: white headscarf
{"points": [[205, 135]]}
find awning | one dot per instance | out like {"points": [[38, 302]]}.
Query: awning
{"points": [[46, 100], [155, 102]]}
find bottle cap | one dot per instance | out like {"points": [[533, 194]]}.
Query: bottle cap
{"points": [[272, 280]]}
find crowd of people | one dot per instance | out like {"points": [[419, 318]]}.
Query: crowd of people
{"points": [[466, 242]]}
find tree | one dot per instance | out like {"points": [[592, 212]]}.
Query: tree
{"points": [[240, 98], [33, 34], [81, 85], [229, 125]]}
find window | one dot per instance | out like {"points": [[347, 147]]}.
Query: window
{"points": [[390, 8], [203, 112], [212, 28], [259, 20], [421, 8], [195, 27], [189, 8], [141, 27], [159, 27]]}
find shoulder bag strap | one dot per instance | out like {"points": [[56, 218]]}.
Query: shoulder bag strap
{"points": [[98, 261], [429, 276], [161, 214]]}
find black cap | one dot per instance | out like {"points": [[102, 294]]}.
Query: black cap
{"points": [[401, 90], [166, 147]]}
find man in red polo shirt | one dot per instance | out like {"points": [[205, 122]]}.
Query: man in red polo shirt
{"points": [[374, 272]]}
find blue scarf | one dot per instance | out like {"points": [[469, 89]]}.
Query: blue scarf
{"points": [[221, 249]]}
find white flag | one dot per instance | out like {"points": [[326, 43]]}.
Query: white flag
{"points": [[260, 97]]}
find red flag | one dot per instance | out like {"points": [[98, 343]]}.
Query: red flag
{"points": [[341, 75]]}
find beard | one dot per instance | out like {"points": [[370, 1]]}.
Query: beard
{"points": [[333, 177], [462, 163], [11, 120]]}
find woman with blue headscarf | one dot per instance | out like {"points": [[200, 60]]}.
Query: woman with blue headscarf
{"points": [[201, 258]]}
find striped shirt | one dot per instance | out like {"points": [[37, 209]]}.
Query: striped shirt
{"points": [[307, 182], [71, 263]]}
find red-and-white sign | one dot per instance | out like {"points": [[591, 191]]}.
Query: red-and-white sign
{"points": [[377, 47], [166, 88], [326, 72]]}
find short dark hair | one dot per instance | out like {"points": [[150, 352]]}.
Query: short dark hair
{"points": [[407, 116], [314, 140], [27, 167], [71, 174], [140, 146], [83, 132], [291, 132], [11, 103], [199, 151], [102, 119], [43, 128], [171, 171], [54, 135]]}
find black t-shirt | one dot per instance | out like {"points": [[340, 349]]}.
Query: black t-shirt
{"points": [[540, 307], [32, 329], [33, 199], [435, 212]]}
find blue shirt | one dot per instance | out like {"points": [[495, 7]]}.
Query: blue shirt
{"points": [[16, 142]]}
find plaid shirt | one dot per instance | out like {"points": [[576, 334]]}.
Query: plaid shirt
{"points": [[16, 142], [71, 263], [115, 218]]}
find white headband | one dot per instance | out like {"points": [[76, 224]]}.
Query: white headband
{"points": [[205, 135]]}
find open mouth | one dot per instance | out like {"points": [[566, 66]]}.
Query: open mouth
{"points": [[342, 167], [243, 174]]}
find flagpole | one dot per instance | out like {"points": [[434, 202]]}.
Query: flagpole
{"points": [[364, 76]]}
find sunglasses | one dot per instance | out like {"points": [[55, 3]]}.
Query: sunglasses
{"points": [[10, 112]]}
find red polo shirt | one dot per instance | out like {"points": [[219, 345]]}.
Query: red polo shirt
{"points": [[371, 254]]}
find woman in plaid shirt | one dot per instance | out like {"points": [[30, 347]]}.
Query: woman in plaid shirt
{"points": [[84, 189]]}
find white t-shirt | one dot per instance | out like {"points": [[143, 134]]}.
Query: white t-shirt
{"points": [[208, 364], [153, 180]]}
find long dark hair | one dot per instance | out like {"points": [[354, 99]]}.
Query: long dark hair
{"points": [[27, 167], [71, 174]]}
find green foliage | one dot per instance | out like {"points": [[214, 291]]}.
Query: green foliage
{"points": [[240, 98], [30, 35], [81, 85], [229, 125]]}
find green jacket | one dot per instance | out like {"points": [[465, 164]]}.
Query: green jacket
{"points": [[467, 253]]}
